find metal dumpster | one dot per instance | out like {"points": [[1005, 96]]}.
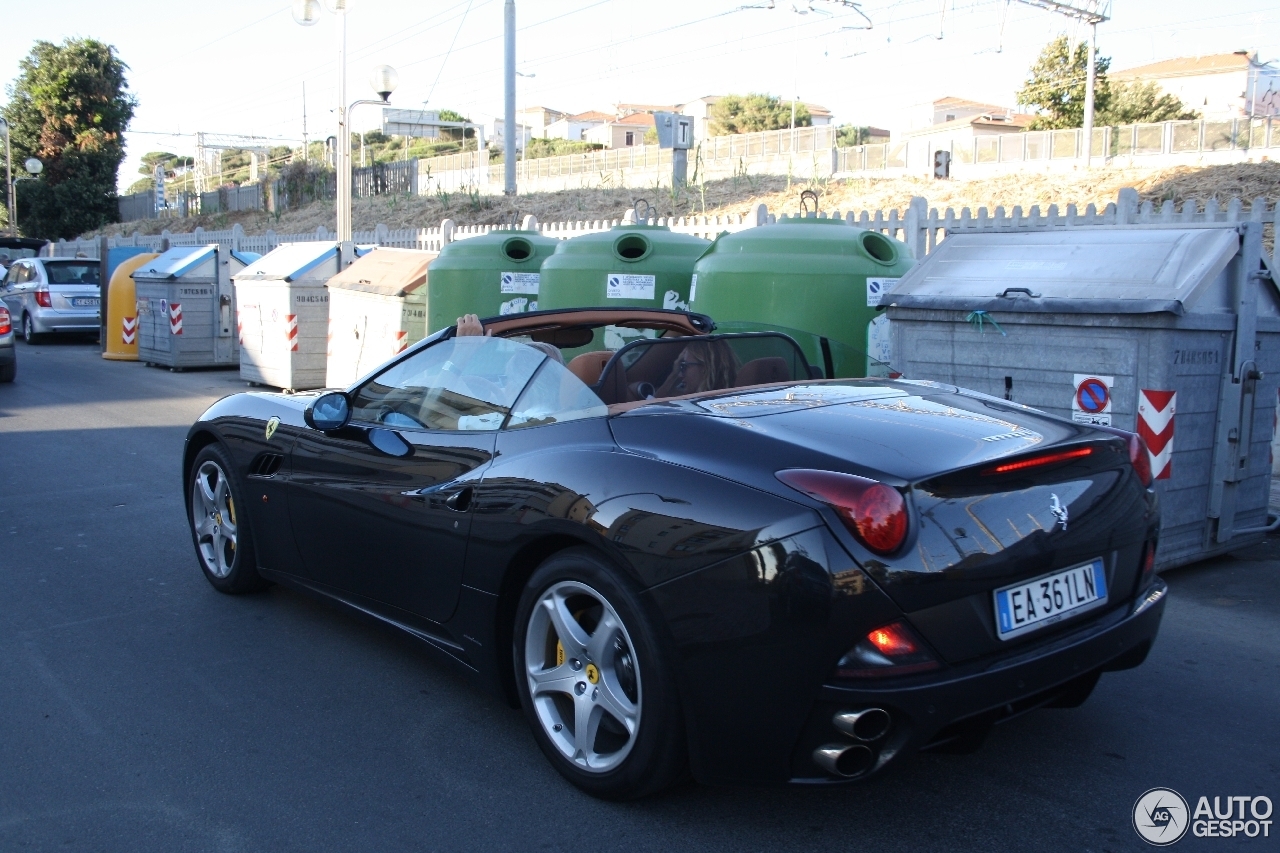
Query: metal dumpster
{"points": [[284, 315], [377, 308], [186, 307], [1169, 331]]}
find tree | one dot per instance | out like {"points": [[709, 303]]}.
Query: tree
{"points": [[848, 135], [1138, 103], [749, 113], [1056, 85], [69, 107]]}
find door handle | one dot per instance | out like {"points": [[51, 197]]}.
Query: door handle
{"points": [[459, 501]]}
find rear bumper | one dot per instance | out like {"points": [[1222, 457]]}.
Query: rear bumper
{"points": [[961, 706], [49, 320]]}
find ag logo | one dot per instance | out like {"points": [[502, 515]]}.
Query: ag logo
{"points": [[271, 427], [1160, 816]]}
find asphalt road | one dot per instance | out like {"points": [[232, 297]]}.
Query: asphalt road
{"points": [[140, 710]]}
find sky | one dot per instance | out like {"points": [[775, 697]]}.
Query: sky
{"points": [[241, 66]]}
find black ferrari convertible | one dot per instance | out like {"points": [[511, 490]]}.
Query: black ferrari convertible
{"points": [[683, 550]]}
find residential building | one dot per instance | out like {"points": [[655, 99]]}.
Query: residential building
{"points": [[948, 109], [537, 119], [497, 138], [1222, 86], [624, 110], [575, 127], [960, 133], [622, 133]]}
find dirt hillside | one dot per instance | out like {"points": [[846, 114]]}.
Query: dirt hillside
{"points": [[739, 196]]}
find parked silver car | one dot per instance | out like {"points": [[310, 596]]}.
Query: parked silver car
{"points": [[8, 357], [47, 295]]}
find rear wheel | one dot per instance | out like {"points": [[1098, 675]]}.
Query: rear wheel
{"points": [[221, 534], [593, 681], [29, 330]]}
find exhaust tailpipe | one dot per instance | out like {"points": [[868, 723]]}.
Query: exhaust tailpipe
{"points": [[847, 760], [867, 725]]}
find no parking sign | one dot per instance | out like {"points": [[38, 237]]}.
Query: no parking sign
{"points": [[1091, 403]]}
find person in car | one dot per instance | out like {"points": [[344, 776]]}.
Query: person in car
{"points": [[701, 366], [469, 326]]}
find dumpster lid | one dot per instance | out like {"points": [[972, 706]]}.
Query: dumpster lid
{"points": [[176, 262], [1073, 270], [289, 262], [391, 272]]}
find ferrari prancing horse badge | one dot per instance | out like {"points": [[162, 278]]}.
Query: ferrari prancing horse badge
{"points": [[271, 427]]}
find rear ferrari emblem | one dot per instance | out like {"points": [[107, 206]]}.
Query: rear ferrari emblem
{"points": [[275, 422], [1059, 511]]}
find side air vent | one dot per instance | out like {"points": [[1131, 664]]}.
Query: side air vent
{"points": [[266, 465]]}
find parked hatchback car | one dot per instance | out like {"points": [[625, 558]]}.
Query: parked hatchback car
{"points": [[47, 295], [8, 357]]}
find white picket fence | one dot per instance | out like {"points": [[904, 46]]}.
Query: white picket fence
{"points": [[919, 226]]}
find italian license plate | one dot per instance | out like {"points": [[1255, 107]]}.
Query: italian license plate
{"points": [[84, 302], [1042, 601]]}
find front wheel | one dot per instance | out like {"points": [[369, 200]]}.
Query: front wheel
{"points": [[220, 532], [593, 681]]}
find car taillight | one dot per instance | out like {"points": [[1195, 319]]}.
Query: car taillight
{"points": [[875, 514], [1148, 565], [1141, 461], [6, 326], [42, 297], [1037, 461], [892, 649]]}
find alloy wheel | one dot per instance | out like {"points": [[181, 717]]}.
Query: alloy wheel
{"points": [[583, 676], [213, 515], [28, 329]]}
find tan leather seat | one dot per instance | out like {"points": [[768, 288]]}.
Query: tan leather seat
{"points": [[762, 371], [590, 365]]}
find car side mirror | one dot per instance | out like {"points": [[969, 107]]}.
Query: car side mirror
{"points": [[328, 412]]}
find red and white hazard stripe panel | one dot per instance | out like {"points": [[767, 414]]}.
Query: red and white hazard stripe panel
{"points": [[129, 329], [1155, 425], [291, 325], [402, 341], [175, 318]]}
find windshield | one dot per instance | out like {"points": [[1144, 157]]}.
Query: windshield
{"points": [[72, 272]]}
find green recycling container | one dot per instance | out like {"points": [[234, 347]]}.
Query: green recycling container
{"points": [[492, 274], [637, 266], [817, 279]]}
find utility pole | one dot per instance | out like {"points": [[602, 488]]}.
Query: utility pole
{"points": [[306, 148], [1092, 12], [1088, 94], [509, 99]]}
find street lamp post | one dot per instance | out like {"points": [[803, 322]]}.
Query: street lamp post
{"points": [[8, 181], [307, 13]]}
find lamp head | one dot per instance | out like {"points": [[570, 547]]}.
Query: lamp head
{"points": [[384, 81], [306, 12], [34, 166]]}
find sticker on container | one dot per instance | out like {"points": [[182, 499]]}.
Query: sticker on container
{"points": [[520, 282], [1155, 425], [693, 288], [879, 348], [513, 306], [877, 287], [1091, 403], [621, 286], [671, 301]]}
